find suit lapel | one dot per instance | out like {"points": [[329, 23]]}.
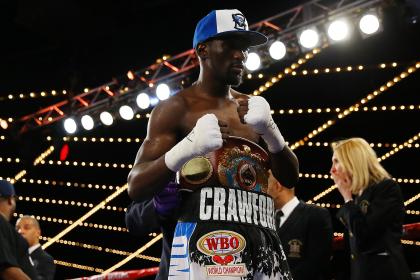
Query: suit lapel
{"points": [[293, 217]]}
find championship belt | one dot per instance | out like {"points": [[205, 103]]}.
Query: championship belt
{"points": [[240, 164]]}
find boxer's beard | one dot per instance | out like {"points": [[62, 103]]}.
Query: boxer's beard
{"points": [[235, 80]]}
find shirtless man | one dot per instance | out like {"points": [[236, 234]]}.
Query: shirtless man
{"points": [[225, 228]]}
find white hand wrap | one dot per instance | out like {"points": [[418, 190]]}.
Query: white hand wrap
{"points": [[259, 117], [204, 138]]}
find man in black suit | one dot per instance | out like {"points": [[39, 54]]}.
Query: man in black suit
{"points": [[14, 258], [29, 228], [305, 231]]}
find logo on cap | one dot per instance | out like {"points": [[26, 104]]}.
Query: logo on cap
{"points": [[240, 21]]}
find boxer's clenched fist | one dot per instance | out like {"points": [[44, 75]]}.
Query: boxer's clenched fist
{"points": [[257, 113], [206, 136]]}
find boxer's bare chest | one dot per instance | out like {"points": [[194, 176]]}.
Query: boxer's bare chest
{"points": [[224, 111]]}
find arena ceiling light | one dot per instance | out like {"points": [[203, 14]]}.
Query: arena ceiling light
{"points": [[106, 118], [338, 30], [143, 100], [163, 91], [70, 125], [126, 112], [4, 124], [277, 50], [369, 23], [87, 122], [253, 61], [309, 38], [154, 101]]}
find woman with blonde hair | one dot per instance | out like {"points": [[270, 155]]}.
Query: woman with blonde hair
{"points": [[373, 212]]}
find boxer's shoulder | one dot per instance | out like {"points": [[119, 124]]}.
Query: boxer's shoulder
{"points": [[237, 95], [175, 104]]}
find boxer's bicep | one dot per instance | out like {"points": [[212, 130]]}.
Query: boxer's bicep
{"points": [[155, 147], [161, 132]]}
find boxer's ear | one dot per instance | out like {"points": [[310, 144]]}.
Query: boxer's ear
{"points": [[202, 51]]}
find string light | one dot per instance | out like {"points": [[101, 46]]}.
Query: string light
{"points": [[282, 111], [373, 145], [124, 253], [85, 216], [23, 172], [75, 244], [337, 206], [355, 107], [43, 155], [413, 212], [133, 255], [78, 266], [69, 184], [275, 79], [301, 111], [67, 202], [34, 95], [339, 69], [10, 160], [314, 175], [410, 242], [2, 138], [98, 139], [403, 241], [87, 164], [385, 156], [400, 147], [99, 248], [411, 200], [327, 176], [328, 205], [18, 176], [70, 222]]}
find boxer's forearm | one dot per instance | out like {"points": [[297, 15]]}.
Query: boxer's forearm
{"points": [[285, 167], [13, 273], [147, 179]]}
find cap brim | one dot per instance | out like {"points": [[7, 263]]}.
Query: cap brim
{"points": [[253, 38]]}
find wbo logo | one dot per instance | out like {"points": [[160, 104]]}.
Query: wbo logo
{"points": [[221, 245], [240, 22]]}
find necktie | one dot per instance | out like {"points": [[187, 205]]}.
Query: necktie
{"points": [[278, 216]]}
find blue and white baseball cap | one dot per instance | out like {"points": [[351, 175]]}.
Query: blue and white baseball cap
{"points": [[220, 23]]}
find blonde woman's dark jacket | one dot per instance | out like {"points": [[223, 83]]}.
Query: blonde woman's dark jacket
{"points": [[374, 222]]}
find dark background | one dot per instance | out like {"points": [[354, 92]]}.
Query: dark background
{"points": [[72, 45]]}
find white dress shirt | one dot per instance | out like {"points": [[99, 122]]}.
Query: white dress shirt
{"points": [[288, 208], [33, 248]]}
